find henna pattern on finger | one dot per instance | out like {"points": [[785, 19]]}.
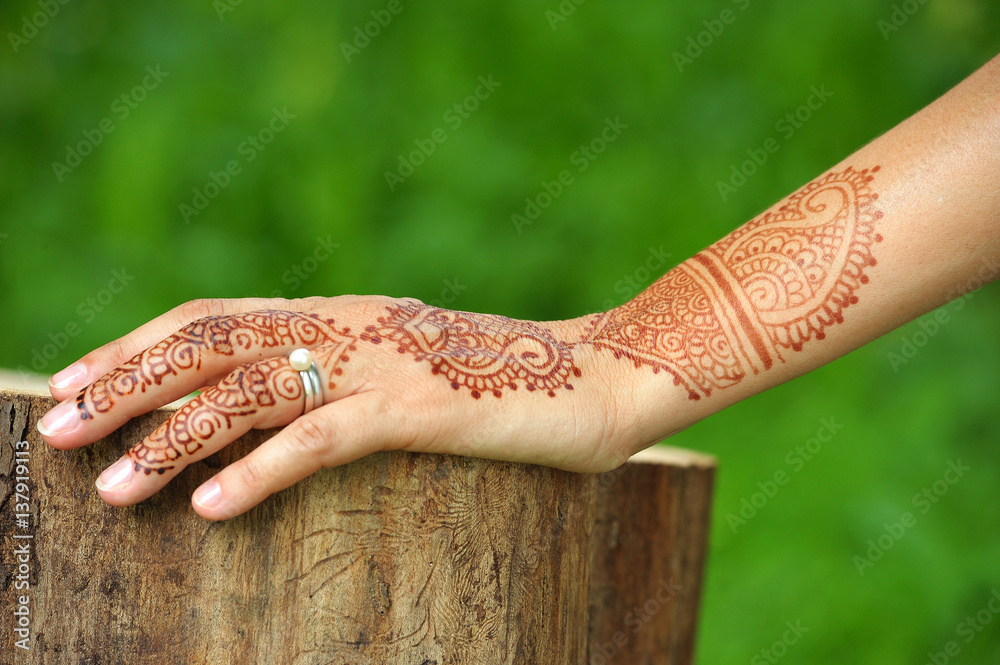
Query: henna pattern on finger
{"points": [[484, 353], [242, 393], [767, 288], [185, 351]]}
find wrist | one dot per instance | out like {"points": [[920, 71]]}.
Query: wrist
{"points": [[641, 404], [667, 370]]}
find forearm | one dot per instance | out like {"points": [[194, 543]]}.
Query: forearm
{"points": [[900, 227]]}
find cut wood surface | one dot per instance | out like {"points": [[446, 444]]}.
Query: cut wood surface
{"points": [[398, 558]]}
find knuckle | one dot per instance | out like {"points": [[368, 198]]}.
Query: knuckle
{"points": [[119, 351], [311, 437], [237, 377], [371, 307], [253, 475], [201, 308]]}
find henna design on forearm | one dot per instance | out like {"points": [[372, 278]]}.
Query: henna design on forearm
{"points": [[736, 308], [770, 286], [242, 393], [217, 335], [482, 352]]}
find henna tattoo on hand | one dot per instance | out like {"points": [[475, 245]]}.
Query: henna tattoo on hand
{"points": [[736, 308], [771, 285], [482, 352], [242, 393], [218, 335]]}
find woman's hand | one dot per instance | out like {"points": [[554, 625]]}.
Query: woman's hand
{"points": [[395, 374]]}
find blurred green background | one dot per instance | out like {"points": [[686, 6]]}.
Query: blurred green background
{"points": [[445, 233]]}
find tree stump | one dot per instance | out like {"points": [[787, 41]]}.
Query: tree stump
{"points": [[399, 558]]}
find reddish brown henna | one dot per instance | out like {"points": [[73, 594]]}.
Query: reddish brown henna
{"points": [[768, 287], [216, 335], [736, 308], [243, 393], [485, 353]]}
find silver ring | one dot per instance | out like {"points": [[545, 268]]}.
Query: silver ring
{"points": [[302, 360]]}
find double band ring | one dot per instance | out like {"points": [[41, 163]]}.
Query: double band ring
{"points": [[302, 360]]}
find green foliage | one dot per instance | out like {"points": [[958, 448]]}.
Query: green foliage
{"points": [[323, 177]]}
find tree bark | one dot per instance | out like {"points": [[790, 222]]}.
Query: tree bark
{"points": [[398, 558]]}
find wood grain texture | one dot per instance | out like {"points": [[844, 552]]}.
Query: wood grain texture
{"points": [[398, 558]]}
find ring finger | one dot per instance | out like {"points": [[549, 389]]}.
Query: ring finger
{"points": [[198, 354], [264, 394]]}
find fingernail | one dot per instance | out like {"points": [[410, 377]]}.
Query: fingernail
{"points": [[74, 375], [116, 476], [61, 420], [208, 494]]}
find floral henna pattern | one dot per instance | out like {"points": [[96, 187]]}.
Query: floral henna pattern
{"points": [[242, 393], [768, 287], [217, 335], [481, 352]]}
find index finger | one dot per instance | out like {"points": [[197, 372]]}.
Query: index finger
{"points": [[199, 353], [89, 368]]}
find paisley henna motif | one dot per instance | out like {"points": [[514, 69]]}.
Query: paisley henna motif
{"points": [[481, 352], [767, 288]]}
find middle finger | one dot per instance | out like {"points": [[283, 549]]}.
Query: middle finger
{"points": [[198, 354], [260, 395]]}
